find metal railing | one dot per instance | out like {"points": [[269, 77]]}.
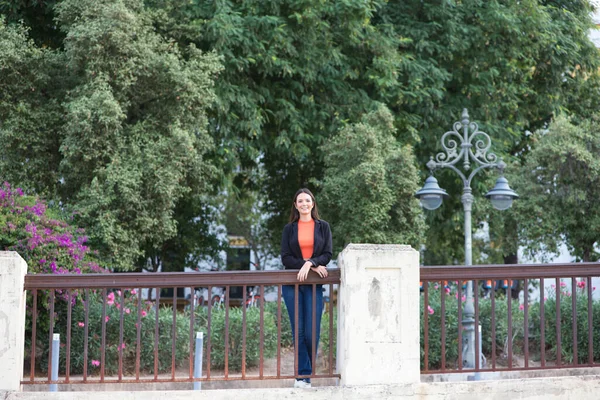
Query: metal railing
{"points": [[549, 327], [120, 295]]}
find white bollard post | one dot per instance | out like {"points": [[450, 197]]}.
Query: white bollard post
{"points": [[378, 325], [198, 360], [12, 319], [55, 354]]}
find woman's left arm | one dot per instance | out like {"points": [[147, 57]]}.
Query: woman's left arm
{"points": [[325, 256]]}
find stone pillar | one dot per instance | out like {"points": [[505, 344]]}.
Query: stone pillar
{"points": [[378, 319], [12, 319]]}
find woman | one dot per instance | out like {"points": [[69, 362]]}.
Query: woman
{"points": [[305, 246]]}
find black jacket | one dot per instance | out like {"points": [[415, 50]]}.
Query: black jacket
{"points": [[291, 255]]}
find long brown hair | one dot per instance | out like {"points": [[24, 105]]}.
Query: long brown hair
{"points": [[295, 215]]}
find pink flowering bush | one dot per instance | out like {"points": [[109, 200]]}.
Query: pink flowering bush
{"points": [[38, 233], [49, 245]]}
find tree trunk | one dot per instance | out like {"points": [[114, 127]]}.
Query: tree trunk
{"points": [[587, 252], [511, 259]]}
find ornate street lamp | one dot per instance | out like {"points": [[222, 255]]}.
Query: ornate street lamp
{"points": [[501, 195], [471, 147], [431, 195]]}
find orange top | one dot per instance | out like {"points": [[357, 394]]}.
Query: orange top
{"points": [[306, 237]]}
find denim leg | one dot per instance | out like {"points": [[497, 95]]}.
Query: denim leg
{"points": [[304, 365], [307, 298]]}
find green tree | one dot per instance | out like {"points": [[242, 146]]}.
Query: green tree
{"points": [[560, 187], [126, 139], [38, 16], [369, 183], [125, 81], [29, 114], [295, 72], [512, 64], [197, 238]]}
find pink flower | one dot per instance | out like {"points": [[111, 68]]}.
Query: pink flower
{"points": [[436, 286], [430, 310], [545, 298], [127, 310], [563, 284], [133, 291], [447, 290], [107, 318], [581, 284], [122, 346], [95, 363], [110, 299], [521, 307], [117, 305], [553, 286], [593, 288], [463, 297], [144, 313], [119, 293], [81, 324], [567, 294]]}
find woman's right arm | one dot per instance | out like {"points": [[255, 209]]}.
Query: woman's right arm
{"points": [[290, 261]]}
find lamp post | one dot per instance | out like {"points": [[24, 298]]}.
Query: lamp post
{"points": [[467, 144]]}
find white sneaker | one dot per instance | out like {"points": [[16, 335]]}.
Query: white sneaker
{"points": [[301, 384]]}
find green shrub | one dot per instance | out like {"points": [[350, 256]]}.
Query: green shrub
{"points": [[452, 325], [113, 313], [286, 328], [501, 326], [566, 326], [165, 325], [326, 341], [434, 325], [518, 329], [217, 336]]}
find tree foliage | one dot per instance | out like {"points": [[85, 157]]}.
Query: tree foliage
{"points": [[110, 108], [126, 136], [295, 72], [513, 65], [561, 182], [369, 183]]}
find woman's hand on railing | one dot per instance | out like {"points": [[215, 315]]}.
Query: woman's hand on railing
{"points": [[303, 273], [321, 270]]}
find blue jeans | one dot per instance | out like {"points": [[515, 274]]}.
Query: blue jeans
{"points": [[305, 315]]}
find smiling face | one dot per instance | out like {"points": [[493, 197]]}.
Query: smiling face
{"points": [[304, 204]]}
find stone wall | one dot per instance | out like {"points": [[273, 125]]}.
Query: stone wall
{"points": [[12, 319]]}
